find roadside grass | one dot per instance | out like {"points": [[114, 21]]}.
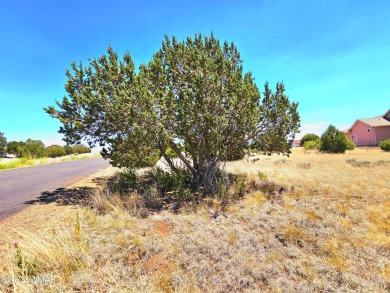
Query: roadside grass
{"points": [[26, 162], [328, 231]]}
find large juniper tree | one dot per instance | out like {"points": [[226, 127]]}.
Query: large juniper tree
{"points": [[192, 97]]}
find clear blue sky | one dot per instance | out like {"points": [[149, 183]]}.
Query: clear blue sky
{"points": [[333, 56]]}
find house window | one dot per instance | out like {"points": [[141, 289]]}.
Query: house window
{"points": [[368, 129]]}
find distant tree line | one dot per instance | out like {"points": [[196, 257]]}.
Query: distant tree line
{"points": [[36, 148]]}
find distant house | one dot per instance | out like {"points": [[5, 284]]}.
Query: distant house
{"points": [[296, 143], [370, 131]]}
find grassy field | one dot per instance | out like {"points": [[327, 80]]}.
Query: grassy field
{"points": [[328, 230], [6, 164]]}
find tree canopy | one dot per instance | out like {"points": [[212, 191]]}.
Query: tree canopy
{"points": [[15, 147], [29, 149], [192, 98], [3, 143]]}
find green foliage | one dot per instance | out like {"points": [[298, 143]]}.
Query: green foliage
{"points": [[68, 149], [54, 151], [238, 154], [172, 183], [80, 149], [126, 181], [14, 147], [192, 95], [312, 144], [333, 141], [170, 153], [32, 149], [385, 145], [309, 137], [350, 144], [3, 143]]}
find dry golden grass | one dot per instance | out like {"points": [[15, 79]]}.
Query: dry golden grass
{"points": [[329, 233], [15, 163]]}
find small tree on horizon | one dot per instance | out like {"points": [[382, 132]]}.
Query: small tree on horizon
{"points": [[192, 98], [333, 141]]}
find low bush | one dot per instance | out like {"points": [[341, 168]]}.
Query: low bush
{"points": [[54, 151], [312, 145], [385, 145], [80, 149], [172, 184], [357, 163], [350, 144], [68, 149], [309, 137]]}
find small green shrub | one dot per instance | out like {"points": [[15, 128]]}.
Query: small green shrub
{"points": [[124, 182], [333, 141], [80, 149], [312, 145], [350, 144], [54, 151], [385, 145], [309, 137], [262, 176], [68, 149], [170, 182]]}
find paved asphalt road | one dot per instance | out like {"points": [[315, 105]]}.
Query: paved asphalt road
{"points": [[21, 185]]}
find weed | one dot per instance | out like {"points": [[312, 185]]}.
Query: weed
{"points": [[304, 165], [78, 225], [262, 176], [26, 268], [280, 162], [356, 163]]}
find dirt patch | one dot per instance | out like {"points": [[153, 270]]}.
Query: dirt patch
{"points": [[160, 264], [162, 228]]}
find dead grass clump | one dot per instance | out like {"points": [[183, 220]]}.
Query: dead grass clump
{"points": [[356, 163], [304, 165]]}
